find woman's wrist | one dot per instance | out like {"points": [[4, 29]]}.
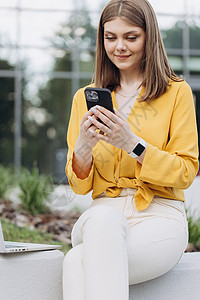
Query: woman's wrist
{"points": [[82, 148], [82, 160], [136, 148], [82, 166], [131, 144]]}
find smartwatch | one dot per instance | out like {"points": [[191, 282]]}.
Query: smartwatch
{"points": [[138, 149]]}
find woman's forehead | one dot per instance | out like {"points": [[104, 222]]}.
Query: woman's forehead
{"points": [[121, 25]]}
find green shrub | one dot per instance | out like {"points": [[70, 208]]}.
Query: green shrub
{"points": [[194, 231], [35, 189], [6, 179]]}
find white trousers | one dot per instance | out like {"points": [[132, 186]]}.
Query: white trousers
{"points": [[114, 246]]}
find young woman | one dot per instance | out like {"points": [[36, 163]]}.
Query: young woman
{"points": [[137, 162]]}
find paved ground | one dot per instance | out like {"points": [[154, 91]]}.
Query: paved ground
{"points": [[64, 198]]}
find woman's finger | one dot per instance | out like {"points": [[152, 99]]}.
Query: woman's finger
{"points": [[100, 112], [100, 135], [87, 123], [85, 117], [100, 125]]}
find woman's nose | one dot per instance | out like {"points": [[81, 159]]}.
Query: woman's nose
{"points": [[120, 45]]}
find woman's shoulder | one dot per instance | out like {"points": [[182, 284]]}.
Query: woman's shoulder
{"points": [[178, 85], [180, 92]]}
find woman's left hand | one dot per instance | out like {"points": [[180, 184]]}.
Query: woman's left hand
{"points": [[117, 131]]}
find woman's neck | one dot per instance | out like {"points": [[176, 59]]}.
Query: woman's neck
{"points": [[130, 81]]}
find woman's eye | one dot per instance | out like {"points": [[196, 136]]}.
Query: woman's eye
{"points": [[131, 38], [110, 38]]}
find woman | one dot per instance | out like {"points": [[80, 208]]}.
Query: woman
{"points": [[137, 164]]}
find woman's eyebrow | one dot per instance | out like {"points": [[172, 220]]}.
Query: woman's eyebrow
{"points": [[133, 31], [109, 32], [129, 32]]}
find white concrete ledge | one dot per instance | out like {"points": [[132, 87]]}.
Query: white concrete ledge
{"points": [[31, 275], [38, 276], [180, 283]]}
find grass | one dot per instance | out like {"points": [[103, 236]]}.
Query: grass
{"points": [[25, 235]]}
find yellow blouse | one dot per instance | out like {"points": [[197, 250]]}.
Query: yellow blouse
{"points": [[168, 125]]}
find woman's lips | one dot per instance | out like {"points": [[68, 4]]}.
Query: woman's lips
{"points": [[122, 57]]}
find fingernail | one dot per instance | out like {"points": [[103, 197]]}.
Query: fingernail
{"points": [[94, 109], [91, 130], [90, 118], [115, 109]]}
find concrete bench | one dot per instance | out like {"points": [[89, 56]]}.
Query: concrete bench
{"points": [[180, 283], [31, 275], [38, 275]]}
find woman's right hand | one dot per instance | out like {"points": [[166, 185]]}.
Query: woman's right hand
{"points": [[86, 140], [82, 158]]}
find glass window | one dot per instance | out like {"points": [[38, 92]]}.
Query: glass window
{"points": [[6, 120], [37, 60], [9, 3], [8, 28], [194, 65], [42, 31], [173, 35], [46, 4], [195, 36], [169, 7], [176, 62], [45, 120]]}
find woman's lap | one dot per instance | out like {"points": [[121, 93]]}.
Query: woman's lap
{"points": [[154, 246], [156, 238]]}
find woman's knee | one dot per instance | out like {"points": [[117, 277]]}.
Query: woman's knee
{"points": [[104, 216], [98, 218], [73, 259]]}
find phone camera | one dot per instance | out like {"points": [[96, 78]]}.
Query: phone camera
{"points": [[92, 96]]}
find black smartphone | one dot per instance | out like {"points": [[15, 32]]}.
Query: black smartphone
{"points": [[98, 96]]}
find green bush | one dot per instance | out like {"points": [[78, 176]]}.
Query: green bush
{"points": [[35, 189], [6, 179], [194, 231]]}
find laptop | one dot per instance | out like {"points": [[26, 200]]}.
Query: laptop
{"points": [[16, 247]]}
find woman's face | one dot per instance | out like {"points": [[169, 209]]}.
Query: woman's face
{"points": [[124, 44]]}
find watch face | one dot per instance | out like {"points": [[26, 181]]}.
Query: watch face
{"points": [[138, 149]]}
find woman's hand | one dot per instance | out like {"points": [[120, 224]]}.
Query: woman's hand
{"points": [[82, 158], [117, 131], [86, 140]]}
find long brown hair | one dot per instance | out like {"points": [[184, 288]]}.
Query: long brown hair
{"points": [[155, 66]]}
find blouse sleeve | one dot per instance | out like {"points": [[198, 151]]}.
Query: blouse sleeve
{"points": [[79, 186], [177, 165]]}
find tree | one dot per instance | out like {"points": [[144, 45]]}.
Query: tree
{"points": [[56, 96]]}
